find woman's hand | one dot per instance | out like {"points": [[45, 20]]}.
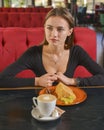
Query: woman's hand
{"points": [[45, 80], [65, 80]]}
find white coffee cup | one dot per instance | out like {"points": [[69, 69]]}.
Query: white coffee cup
{"points": [[45, 103]]}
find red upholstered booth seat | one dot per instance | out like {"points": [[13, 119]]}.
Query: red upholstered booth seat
{"points": [[4, 19], [21, 19], [86, 38], [27, 9], [14, 41]]}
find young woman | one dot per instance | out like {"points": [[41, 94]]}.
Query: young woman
{"points": [[56, 59]]}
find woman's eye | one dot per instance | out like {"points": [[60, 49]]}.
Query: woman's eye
{"points": [[60, 29], [49, 28]]}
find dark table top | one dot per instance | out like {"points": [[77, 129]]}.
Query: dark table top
{"points": [[16, 106]]}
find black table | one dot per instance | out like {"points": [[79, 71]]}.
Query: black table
{"points": [[16, 106]]}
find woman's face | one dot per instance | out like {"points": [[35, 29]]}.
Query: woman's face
{"points": [[57, 30]]}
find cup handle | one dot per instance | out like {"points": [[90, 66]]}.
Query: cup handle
{"points": [[35, 101]]}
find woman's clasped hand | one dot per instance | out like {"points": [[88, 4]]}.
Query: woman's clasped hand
{"points": [[49, 79]]}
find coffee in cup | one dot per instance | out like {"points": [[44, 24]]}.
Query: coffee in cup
{"points": [[45, 103]]}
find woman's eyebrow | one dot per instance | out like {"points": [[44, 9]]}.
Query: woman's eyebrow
{"points": [[56, 27], [49, 25], [61, 27]]}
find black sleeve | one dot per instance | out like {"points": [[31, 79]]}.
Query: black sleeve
{"points": [[95, 69]]}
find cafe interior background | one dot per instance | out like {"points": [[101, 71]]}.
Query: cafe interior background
{"points": [[90, 4], [85, 12]]}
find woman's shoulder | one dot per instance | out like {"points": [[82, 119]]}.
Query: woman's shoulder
{"points": [[32, 52], [76, 48], [34, 49]]}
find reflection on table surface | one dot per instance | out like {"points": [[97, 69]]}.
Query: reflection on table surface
{"points": [[16, 106]]}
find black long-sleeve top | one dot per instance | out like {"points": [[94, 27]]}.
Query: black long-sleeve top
{"points": [[32, 59]]}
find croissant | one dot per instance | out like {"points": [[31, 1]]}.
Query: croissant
{"points": [[64, 91]]}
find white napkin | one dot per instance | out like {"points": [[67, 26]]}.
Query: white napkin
{"points": [[60, 111]]}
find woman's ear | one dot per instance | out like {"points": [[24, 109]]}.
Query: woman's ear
{"points": [[70, 31]]}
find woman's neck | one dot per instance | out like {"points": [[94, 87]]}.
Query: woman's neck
{"points": [[56, 50]]}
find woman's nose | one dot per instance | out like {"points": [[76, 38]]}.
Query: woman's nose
{"points": [[54, 32]]}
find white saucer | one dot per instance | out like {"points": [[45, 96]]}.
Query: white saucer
{"points": [[35, 114]]}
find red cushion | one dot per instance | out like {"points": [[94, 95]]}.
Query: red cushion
{"points": [[35, 36], [26, 74], [86, 38], [43, 15], [7, 55], [25, 19], [3, 19], [13, 19], [16, 38], [5, 9], [35, 20]]}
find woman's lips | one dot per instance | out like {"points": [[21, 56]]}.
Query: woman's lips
{"points": [[54, 40]]}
